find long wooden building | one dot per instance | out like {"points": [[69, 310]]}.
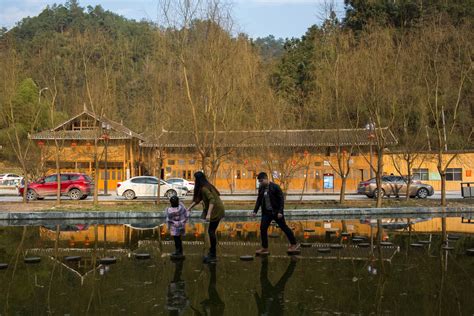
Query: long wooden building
{"points": [[306, 159]]}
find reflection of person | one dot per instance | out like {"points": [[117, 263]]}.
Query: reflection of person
{"points": [[213, 208], [177, 300], [177, 217], [272, 302], [212, 305], [271, 200]]}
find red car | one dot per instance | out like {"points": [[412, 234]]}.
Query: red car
{"points": [[76, 185]]}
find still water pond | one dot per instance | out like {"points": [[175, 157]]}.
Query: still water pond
{"points": [[384, 273]]}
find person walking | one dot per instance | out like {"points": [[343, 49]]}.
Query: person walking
{"points": [[270, 199], [213, 210]]}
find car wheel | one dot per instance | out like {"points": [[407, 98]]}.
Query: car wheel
{"points": [[129, 194], [75, 194], [376, 193], [422, 193], [31, 195], [170, 193]]}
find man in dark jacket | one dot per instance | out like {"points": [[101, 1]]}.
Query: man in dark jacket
{"points": [[271, 200]]}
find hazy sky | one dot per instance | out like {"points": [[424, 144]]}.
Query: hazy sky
{"points": [[258, 18]]}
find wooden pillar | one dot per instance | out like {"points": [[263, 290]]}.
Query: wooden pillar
{"points": [[132, 160], [124, 171]]}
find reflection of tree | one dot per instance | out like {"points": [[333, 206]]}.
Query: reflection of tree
{"points": [[272, 302]]}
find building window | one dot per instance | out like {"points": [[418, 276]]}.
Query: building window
{"points": [[192, 161], [421, 174], [181, 162], [454, 174], [171, 162]]}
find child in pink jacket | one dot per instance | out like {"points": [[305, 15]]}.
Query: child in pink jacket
{"points": [[177, 216]]}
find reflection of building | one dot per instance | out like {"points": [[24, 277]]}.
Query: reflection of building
{"points": [[305, 156]]}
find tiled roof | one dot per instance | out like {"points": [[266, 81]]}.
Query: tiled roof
{"points": [[292, 138], [117, 131]]}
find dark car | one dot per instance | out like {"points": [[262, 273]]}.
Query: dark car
{"points": [[395, 185], [75, 185]]}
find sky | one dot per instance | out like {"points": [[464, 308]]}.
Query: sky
{"points": [[257, 18]]}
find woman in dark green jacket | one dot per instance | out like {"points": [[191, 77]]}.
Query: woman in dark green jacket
{"points": [[213, 209]]}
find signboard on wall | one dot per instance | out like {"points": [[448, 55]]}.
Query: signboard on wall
{"points": [[328, 181]]}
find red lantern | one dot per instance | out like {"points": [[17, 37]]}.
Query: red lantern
{"points": [[293, 163], [105, 137], [40, 143], [73, 144], [246, 162], [306, 153]]}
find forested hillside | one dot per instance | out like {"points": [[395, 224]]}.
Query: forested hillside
{"points": [[402, 64]]}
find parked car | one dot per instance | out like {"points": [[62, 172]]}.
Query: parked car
{"points": [[147, 186], [395, 185], [182, 182], [10, 179], [75, 185]]}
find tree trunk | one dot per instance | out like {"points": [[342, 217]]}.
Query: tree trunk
{"points": [[443, 188], [158, 190], [342, 195]]}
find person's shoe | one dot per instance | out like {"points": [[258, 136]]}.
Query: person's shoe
{"points": [[209, 259], [262, 252], [294, 248]]}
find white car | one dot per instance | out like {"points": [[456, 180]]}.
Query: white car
{"points": [[146, 186], [182, 183], [10, 179]]}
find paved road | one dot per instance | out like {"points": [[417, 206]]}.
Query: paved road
{"points": [[314, 197]]}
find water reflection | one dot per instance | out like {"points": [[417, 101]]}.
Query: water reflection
{"points": [[177, 298], [271, 301], [377, 279], [213, 304]]}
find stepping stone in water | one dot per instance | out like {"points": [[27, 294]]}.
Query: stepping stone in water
{"points": [[3, 266], [363, 245], [386, 243], [359, 237], [72, 258], [416, 245], [336, 246], [356, 240], [470, 252], [324, 250], [424, 242], [306, 244], [447, 248], [453, 237], [142, 256], [177, 257], [108, 260], [345, 234], [32, 260], [293, 252], [246, 258]]}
